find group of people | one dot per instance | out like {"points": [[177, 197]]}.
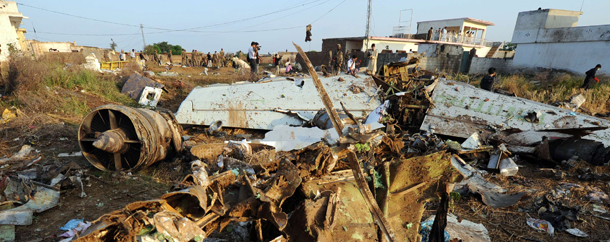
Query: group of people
{"points": [[206, 60], [442, 34], [350, 63]]}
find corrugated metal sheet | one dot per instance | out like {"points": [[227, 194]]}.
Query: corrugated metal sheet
{"points": [[251, 105], [461, 109]]}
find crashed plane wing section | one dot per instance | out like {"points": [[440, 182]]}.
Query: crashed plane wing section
{"points": [[461, 109], [256, 105]]}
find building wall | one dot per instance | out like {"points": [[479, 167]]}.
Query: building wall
{"points": [[575, 34], [10, 20], [577, 57], [481, 65], [395, 45], [448, 64]]}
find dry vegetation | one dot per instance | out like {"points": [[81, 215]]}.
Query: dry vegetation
{"points": [[550, 87]]}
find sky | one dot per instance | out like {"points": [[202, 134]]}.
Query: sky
{"points": [[211, 25]]}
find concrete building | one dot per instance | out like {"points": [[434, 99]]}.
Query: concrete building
{"points": [[10, 33], [419, 43], [550, 38], [458, 28]]}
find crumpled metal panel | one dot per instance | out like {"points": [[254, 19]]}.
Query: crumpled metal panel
{"points": [[251, 105], [461, 109]]}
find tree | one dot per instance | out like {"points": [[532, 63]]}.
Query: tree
{"points": [[164, 47], [150, 49], [508, 46], [113, 45], [176, 49]]}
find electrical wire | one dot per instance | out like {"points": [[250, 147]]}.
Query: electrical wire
{"points": [[328, 12]]}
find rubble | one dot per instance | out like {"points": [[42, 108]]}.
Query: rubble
{"points": [[370, 170], [143, 89]]}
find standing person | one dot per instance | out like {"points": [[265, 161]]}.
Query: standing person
{"points": [[276, 63], [330, 62], [253, 60], [122, 56], [430, 34], [143, 58], [372, 66], [440, 33], [157, 57], [590, 77], [338, 60], [132, 54], [488, 82], [169, 56], [346, 59], [222, 57], [209, 62], [351, 65], [445, 33], [184, 58]]}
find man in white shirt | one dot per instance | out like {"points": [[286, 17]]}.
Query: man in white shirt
{"points": [[253, 60], [132, 54], [351, 65], [445, 33]]}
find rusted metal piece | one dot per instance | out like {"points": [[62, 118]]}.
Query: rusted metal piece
{"points": [[371, 203], [325, 99], [113, 137]]}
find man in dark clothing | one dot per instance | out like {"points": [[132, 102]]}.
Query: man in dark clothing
{"points": [[488, 82], [430, 33], [590, 77]]}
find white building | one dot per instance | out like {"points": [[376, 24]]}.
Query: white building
{"points": [[550, 38], [10, 33], [419, 42]]}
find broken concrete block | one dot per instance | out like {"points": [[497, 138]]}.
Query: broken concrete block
{"points": [[143, 89]]}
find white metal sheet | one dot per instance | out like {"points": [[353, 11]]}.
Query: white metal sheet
{"points": [[251, 105], [461, 109]]}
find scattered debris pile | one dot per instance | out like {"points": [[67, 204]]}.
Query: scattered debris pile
{"points": [[338, 174]]}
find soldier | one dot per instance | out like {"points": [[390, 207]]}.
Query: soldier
{"points": [[169, 57], [184, 58], [156, 57], [347, 57], [222, 57], [194, 58], [338, 61]]}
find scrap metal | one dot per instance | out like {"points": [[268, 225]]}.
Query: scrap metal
{"points": [[266, 105], [462, 110], [116, 137]]}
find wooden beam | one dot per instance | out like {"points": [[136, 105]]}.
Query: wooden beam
{"points": [[330, 109]]}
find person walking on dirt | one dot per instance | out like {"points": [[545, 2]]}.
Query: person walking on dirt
{"points": [[591, 77], [488, 82], [209, 60], [169, 57]]}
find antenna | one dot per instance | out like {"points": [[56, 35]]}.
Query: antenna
{"points": [[583, 3], [368, 22], [143, 40]]}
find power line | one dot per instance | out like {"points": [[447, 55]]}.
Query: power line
{"points": [[328, 11], [76, 16], [165, 29]]}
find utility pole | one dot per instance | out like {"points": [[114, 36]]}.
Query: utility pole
{"points": [[369, 15], [143, 40]]}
